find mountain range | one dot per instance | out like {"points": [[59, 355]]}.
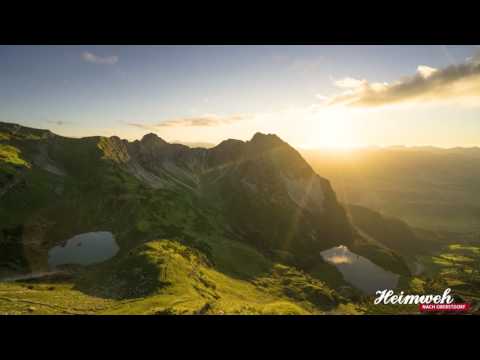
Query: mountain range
{"points": [[237, 224]]}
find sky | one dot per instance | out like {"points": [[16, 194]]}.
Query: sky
{"points": [[311, 96]]}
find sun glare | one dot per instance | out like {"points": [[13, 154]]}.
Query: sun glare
{"points": [[333, 129]]}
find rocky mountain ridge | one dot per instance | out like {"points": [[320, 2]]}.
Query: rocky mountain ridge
{"points": [[259, 192]]}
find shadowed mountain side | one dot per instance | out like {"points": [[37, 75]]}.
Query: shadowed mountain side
{"points": [[267, 193], [394, 233]]}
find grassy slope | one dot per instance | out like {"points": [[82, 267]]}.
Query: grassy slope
{"points": [[10, 155], [166, 277]]}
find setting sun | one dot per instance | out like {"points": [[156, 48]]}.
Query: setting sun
{"points": [[331, 128]]}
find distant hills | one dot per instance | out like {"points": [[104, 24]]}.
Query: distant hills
{"points": [[428, 187]]}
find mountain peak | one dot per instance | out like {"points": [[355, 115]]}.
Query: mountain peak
{"points": [[261, 136], [266, 141], [152, 138], [230, 143]]}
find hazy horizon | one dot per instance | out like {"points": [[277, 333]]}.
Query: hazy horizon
{"points": [[203, 144]]}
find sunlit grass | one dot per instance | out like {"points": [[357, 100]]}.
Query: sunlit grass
{"points": [[4, 136], [456, 258], [460, 247], [11, 155], [136, 284]]}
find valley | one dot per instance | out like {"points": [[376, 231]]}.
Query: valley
{"points": [[108, 226]]}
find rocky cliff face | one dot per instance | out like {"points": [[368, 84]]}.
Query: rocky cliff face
{"points": [[269, 196]]}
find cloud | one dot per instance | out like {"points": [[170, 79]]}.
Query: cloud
{"points": [[426, 71], [199, 121], [349, 83], [92, 58], [58, 122], [452, 82], [140, 125], [321, 97], [206, 120]]}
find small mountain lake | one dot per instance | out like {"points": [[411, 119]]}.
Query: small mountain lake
{"points": [[359, 271], [84, 249]]}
